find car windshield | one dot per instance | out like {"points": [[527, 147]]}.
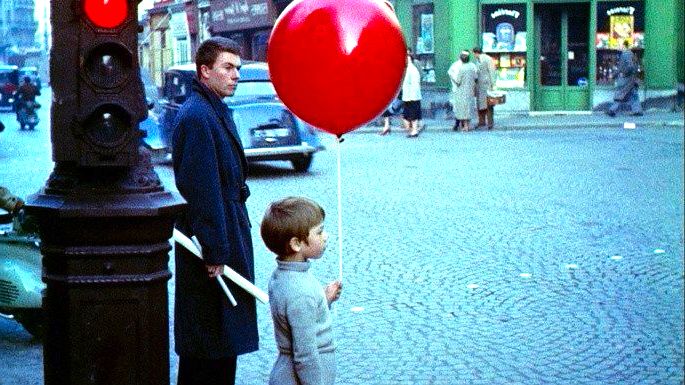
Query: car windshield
{"points": [[263, 116], [262, 88]]}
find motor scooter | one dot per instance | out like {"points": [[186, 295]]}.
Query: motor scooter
{"points": [[20, 271], [27, 116]]}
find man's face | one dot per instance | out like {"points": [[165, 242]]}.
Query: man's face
{"points": [[222, 77]]}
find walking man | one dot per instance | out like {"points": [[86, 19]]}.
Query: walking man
{"points": [[210, 170], [627, 83], [486, 82]]}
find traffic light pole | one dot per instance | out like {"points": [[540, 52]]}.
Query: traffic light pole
{"points": [[105, 219]]}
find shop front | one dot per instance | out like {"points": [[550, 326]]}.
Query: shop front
{"points": [[551, 55]]}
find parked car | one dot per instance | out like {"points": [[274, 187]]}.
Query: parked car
{"points": [[267, 129], [31, 72], [9, 82]]}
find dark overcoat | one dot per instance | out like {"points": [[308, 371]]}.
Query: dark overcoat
{"points": [[210, 170]]}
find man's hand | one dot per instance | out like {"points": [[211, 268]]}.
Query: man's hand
{"points": [[215, 270], [333, 291]]}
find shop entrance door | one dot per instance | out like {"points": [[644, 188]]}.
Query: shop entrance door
{"points": [[562, 57]]}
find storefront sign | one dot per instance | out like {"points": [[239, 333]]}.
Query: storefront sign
{"points": [[178, 25], [624, 10], [235, 15]]}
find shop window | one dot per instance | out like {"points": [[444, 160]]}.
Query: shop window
{"points": [[503, 29], [424, 41], [617, 22], [259, 43]]}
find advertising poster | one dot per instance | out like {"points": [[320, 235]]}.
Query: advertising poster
{"points": [[619, 21], [426, 38], [504, 27], [620, 30]]}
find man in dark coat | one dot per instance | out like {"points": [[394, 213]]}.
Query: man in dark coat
{"points": [[210, 169], [627, 83]]}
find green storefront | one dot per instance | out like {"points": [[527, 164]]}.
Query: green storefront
{"points": [[551, 54]]}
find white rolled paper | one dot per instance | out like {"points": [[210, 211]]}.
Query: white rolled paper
{"points": [[229, 273]]}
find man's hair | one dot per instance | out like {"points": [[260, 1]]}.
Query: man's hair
{"points": [[477, 50], [287, 218], [210, 49]]}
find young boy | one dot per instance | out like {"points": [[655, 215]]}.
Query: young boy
{"points": [[293, 229]]}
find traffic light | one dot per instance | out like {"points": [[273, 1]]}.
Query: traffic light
{"points": [[98, 98]]}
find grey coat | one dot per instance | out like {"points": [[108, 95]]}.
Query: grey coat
{"points": [[210, 170], [302, 327], [486, 80], [463, 77]]}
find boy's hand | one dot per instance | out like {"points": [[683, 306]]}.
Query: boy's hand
{"points": [[333, 291]]}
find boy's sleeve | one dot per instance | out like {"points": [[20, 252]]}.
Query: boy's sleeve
{"points": [[301, 314]]}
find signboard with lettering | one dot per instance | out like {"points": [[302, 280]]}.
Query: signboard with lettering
{"points": [[619, 22], [504, 27], [235, 15]]}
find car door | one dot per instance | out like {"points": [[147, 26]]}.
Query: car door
{"points": [[176, 89]]}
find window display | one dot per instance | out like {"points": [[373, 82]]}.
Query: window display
{"points": [[504, 39], [424, 42], [617, 22]]}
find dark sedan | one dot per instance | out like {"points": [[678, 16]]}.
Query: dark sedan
{"points": [[267, 129]]}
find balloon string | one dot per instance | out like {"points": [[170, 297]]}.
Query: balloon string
{"points": [[340, 231]]}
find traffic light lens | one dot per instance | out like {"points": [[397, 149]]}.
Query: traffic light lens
{"points": [[106, 13], [108, 125], [108, 65]]}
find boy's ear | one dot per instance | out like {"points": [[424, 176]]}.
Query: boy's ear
{"points": [[295, 244]]}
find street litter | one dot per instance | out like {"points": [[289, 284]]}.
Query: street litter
{"points": [[616, 257], [472, 286], [525, 275], [357, 309], [629, 125], [659, 251], [571, 266]]}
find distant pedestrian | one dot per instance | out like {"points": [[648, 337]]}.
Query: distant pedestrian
{"points": [[395, 108], [463, 75], [627, 83], [292, 228], [2, 127], [486, 82], [411, 96]]}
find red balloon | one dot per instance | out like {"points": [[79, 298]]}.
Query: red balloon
{"points": [[337, 64]]}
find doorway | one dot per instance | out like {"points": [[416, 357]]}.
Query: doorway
{"points": [[562, 60]]}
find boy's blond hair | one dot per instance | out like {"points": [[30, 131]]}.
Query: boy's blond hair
{"points": [[289, 218]]}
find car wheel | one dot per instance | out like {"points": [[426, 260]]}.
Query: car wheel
{"points": [[302, 163]]}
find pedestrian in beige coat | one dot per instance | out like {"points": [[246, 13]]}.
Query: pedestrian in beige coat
{"points": [[463, 75], [486, 82]]}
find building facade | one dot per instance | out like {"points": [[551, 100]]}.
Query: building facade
{"points": [[550, 54], [17, 27]]}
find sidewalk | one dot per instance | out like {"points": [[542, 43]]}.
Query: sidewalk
{"points": [[537, 120]]}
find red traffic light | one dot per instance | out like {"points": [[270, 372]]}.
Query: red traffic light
{"points": [[106, 13]]}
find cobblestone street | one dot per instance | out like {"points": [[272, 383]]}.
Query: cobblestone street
{"points": [[550, 256]]}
